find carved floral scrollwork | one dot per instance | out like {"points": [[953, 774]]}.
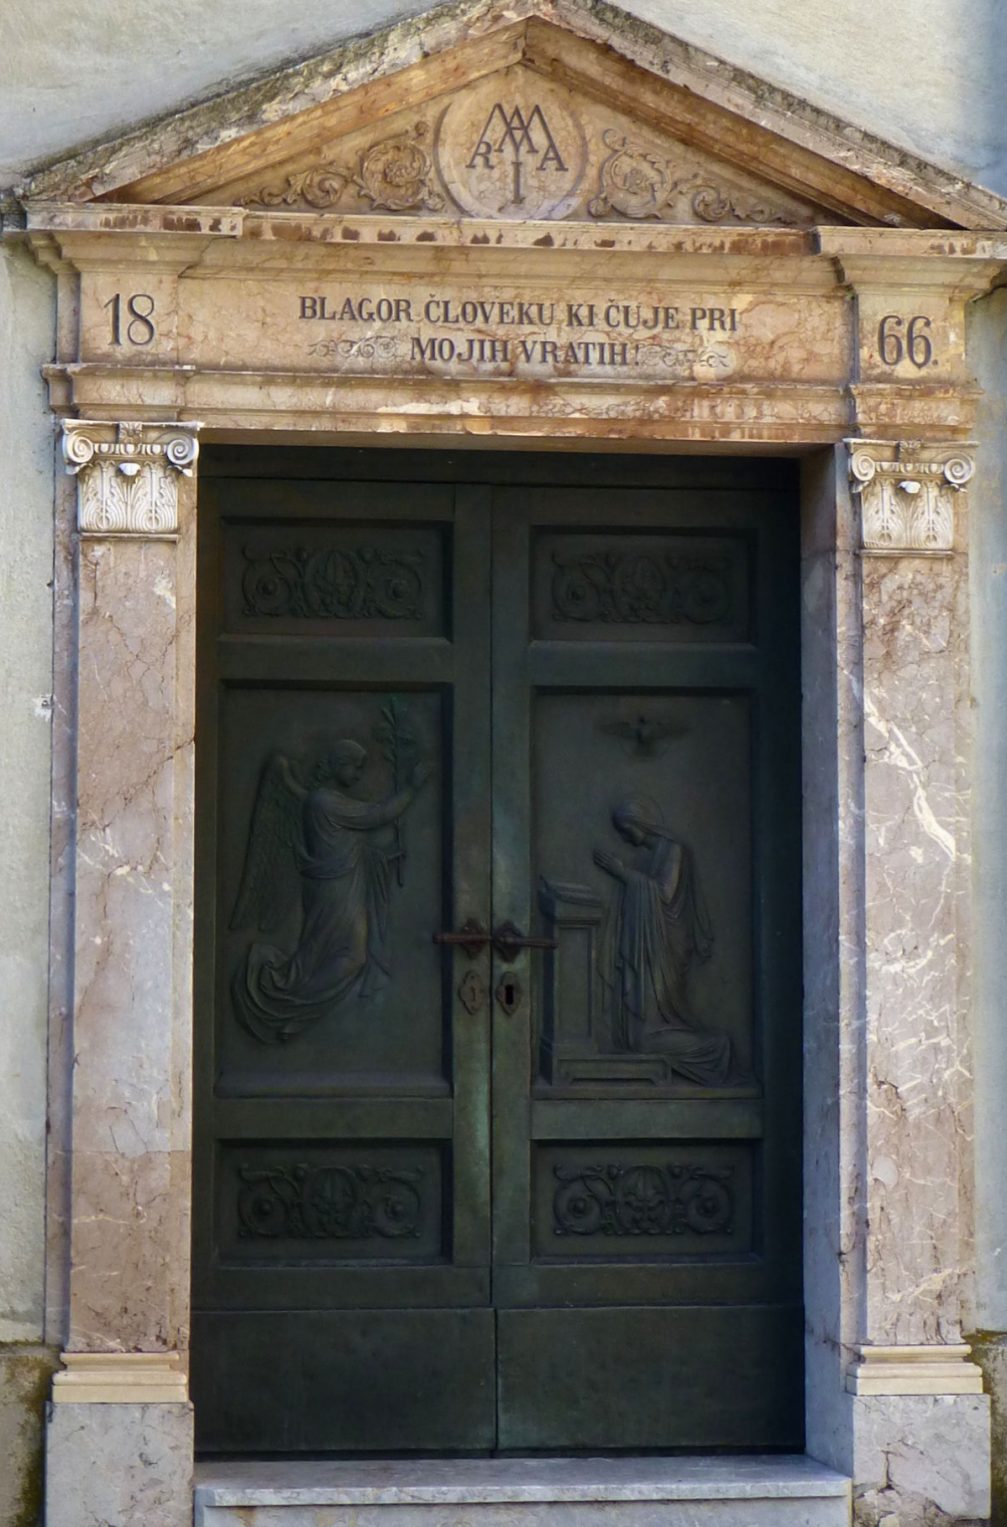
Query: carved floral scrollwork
{"points": [[642, 1200], [637, 588], [906, 491], [394, 175], [332, 584], [637, 183], [128, 485], [329, 1202]]}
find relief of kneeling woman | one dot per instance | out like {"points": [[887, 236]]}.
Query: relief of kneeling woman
{"points": [[657, 926]]}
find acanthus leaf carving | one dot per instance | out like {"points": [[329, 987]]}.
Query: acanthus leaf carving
{"points": [[128, 485], [331, 1202], [359, 583], [636, 1199], [637, 183], [395, 174], [906, 490]]}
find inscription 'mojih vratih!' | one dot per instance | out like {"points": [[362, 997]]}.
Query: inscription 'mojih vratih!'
{"points": [[514, 335]]}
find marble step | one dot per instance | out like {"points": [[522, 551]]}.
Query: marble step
{"points": [[525, 1492]]}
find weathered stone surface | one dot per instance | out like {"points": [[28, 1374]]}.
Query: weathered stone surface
{"points": [[590, 1492], [922, 1455], [116, 1465]]}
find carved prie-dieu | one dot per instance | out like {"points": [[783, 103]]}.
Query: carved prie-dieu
{"points": [[361, 583], [641, 588], [619, 1199], [127, 475], [357, 1202], [312, 844], [907, 490]]}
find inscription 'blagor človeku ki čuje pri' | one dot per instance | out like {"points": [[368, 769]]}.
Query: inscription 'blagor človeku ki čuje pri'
{"points": [[546, 333]]}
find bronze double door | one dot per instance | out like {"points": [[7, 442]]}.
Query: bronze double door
{"points": [[498, 995]]}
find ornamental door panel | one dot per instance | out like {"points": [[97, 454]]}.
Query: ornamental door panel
{"points": [[342, 1295], [647, 1167], [498, 999]]}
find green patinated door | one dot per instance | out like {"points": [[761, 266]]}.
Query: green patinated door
{"points": [[498, 996]]}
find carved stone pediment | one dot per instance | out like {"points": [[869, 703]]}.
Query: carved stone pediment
{"points": [[521, 110], [517, 145]]}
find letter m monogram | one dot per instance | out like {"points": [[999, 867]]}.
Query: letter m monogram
{"points": [[524, 135]]}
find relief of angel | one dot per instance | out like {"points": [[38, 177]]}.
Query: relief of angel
{"points": [[658, 925], [321, 833]]}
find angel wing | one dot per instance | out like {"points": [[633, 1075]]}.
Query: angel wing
{"points": [[268, 883]]}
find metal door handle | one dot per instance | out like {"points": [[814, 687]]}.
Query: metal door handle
{"points": [[508, 941], [471, 936]]}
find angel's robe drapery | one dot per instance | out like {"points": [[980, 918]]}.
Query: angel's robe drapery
{"points": [[656, 928], [345, 889]]}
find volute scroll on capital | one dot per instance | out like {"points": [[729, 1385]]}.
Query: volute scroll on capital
{"points": [[127, 474], [907, 490]]}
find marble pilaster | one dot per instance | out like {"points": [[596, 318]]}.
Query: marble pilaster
{"points": [[910, 1371], [127, 1328]]}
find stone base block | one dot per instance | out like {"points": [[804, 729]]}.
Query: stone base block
{"points": [[586, 1492], [921, 1460], [119, 1465]]}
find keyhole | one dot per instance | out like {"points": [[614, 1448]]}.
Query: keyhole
{"points": [[509, 994]]}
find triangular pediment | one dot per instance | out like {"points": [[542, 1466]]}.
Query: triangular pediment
{"points": [[540, 110]]}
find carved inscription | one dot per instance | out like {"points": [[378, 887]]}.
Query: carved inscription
{"points": [[514, 335], [641, 588], [359, 584], [635, 1200], [302, 1202]]}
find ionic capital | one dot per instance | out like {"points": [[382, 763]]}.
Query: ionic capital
{"points": [[127, 474], [907, 491]]}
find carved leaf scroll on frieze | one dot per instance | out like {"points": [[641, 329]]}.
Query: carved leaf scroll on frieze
{"points": [[637, 1200], [301, 1202], [360, 583], [641, 588], [637, 183], [395, 174], [317, 846]]}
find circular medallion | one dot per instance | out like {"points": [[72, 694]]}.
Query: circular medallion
{"points": [[511, 146]]}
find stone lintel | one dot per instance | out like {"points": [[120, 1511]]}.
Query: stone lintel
{"points": [[127, 474], [906, 491], [120, 1378]]}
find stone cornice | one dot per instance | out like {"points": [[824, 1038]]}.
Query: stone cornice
{"points": [[907, 491], [127, 474]]}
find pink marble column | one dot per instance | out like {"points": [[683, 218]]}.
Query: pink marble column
{"points": [[128, 1290], [916, 1393]]}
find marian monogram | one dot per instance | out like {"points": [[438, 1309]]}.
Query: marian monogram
{"points": [[511, 146], [508, 132]]}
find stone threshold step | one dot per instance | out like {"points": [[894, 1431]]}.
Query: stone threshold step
{"points": [[749, 1491]]}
